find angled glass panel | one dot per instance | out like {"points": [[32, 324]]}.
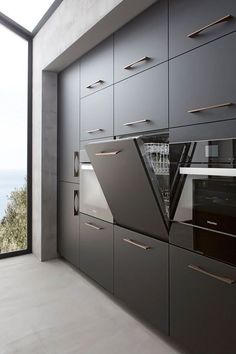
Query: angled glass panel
{"points": [[13, 141], [26, 13]]}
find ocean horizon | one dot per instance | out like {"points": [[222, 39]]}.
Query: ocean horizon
{"points": [[10, 180]]}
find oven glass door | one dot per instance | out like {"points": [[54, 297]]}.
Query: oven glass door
{"points": [[92, 199], [203, 199]]}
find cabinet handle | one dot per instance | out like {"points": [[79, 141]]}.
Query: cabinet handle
{"points": [[129, 66], [76, 203], [220, 20], [202, 271], [137, 122], [137, 244], [94, 130], [201, 109], [76, 164], [98, 82], [111, 153], [93, 226]]}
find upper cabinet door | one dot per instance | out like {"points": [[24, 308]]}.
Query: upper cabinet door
{"points": [[97, 115], [68, 124], [127, 186], [142, 43], [202, 84], [97, 68], [193, 23], [141, 102]]}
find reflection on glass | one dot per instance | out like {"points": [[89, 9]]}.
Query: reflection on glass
{"points": [[13, 141]]}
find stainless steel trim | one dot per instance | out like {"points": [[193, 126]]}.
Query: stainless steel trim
{"points": [[129, 66], [94, 130], [95, 83], [220, 20], [137, 244], [93, 226], [111, 153], [202, 271], [137, 122], [201, 109], [207, 171]]}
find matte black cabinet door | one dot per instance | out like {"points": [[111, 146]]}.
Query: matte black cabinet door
{"points": [[202, 306], [97, 115], [96, 250], [97, 68], [193, 23], [202, 84], [68, 221], [68, 124], [142, 43], [141, 102], [141, 275]]}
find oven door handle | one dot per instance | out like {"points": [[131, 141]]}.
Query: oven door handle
{"points": [[208, 171]]}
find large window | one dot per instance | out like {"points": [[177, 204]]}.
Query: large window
{"points": [[13, 142]]}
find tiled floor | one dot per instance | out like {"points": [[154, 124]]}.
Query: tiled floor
{"points": [[51, 308]]}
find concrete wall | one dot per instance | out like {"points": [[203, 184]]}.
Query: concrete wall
{"points": [[74, 28]]}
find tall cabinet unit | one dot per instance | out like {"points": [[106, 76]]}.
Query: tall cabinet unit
{"points": [[68, 164]]}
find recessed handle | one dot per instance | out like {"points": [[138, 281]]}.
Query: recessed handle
{"points": [[93, 226], [201, 109], [137, 122], [218, 277], [129, 66], [111, 153], [220, 20], [76, 164], [94, 130], [95, 83], [137, 244], [76, 203]]}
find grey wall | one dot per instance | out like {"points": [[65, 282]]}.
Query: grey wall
{"points": [[74, 28]]}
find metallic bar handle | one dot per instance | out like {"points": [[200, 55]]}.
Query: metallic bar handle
{"points": [[129, 66], [76, 164], [136, 244], [112, 153], [93, 226], [95, 83], [201, 109], [76, 203], [94, 130], [223, 279], [137, 122], [220, 20]]}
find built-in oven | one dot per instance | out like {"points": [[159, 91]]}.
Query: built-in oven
{"points": [[92, 199], [203, 197], [134, 175]]}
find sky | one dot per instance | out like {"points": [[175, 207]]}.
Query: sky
{"points": [[13, 100], [25, 12]]}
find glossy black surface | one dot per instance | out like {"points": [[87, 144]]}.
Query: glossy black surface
{"points": [[203, 197]]}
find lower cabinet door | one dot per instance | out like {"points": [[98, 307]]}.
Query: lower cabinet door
{"points": [[202, 303], [141, 275], [96, 250], [68, 222]]}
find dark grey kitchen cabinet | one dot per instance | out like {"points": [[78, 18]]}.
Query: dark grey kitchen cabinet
{"points": [[68, 124], [97, 115], [193, 23], [142, 43], [141, 102], [202, 303], [68, 221], [141, 275], [202, 84], [96, 250], [97, 68]]}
